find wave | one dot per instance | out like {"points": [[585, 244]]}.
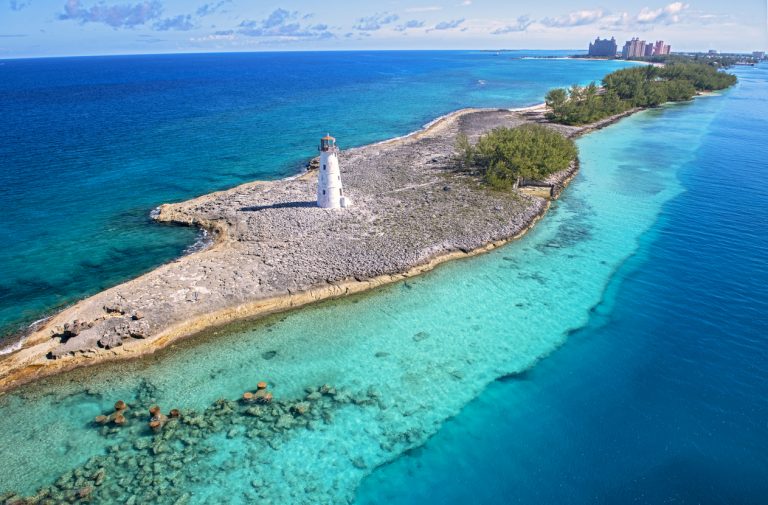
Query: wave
{"points": [[203, 241], [16, 345]]}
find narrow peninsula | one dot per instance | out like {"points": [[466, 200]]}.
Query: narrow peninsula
{"points": [[274, 248]]}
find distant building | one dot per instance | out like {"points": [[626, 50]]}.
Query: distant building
{"points": [[634, 48], [648, 50], [758, 55], [604, 47], [637, 48], [660, 48], [712, 51]]}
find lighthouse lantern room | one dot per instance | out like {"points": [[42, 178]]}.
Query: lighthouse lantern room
{"points": [[330, 194]]}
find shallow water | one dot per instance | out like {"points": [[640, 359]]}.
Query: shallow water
{"points": [[661, 397], [427, 347], [89, 146]]}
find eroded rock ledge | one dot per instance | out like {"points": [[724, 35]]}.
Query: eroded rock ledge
{"points": [[274, 249]]}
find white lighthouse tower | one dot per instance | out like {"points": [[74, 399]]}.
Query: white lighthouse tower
{"points": [[330, 194]]}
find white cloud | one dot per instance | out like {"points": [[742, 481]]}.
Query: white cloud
{"points": [[214, 37], [448, 25], [674, 13], [430, 8], [576, 18], [646, 18], [17, 5], [414, 23], [284, 25], [116, 15], [375, 22], [522, 24], [181, 22], [211, 8], [669, 14]]}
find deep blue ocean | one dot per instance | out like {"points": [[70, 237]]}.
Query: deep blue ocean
{"points": [[615, 354]]}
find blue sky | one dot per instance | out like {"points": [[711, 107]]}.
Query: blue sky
{"points": [[31, 28]]}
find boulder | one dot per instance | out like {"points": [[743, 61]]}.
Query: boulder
{"points": [[138, 329], [299, 409], [284, 422], [110, 340]]}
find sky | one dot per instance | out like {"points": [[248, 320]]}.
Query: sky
{"points": [[39, 28]]}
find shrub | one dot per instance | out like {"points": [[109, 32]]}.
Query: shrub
{"points": [[503, 156]]}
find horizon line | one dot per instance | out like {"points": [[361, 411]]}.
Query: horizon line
{"points": [[62, 56], [274, 52]]}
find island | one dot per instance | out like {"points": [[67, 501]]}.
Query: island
{"points": [[275, 249]]}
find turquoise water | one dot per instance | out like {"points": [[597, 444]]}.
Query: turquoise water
{"points": [[89, 146], [661, 397], [424, 349]]}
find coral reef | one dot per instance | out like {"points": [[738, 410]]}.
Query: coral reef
{"points": [[155, 463]]}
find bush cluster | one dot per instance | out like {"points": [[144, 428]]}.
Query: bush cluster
{"points": [[580, 105], [504, 156], [713, 60], [648, 86]]}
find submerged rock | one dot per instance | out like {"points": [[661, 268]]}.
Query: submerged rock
{"points": [[99, 476], [159, 467], [299, 409], [284, 421]]}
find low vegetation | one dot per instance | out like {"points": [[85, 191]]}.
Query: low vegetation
{"points": [[505, 156], [713, 60], [648, 86], [583, 104]]}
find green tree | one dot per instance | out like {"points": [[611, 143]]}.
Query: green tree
{"points": [[503, 156], [465, 153], [555, 100], [680, 90], [647, 86]]}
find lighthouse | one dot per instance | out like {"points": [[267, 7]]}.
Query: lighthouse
{"points": [[330, 194]]}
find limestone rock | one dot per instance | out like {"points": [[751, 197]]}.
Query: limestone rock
{"points": [[110, 340]]}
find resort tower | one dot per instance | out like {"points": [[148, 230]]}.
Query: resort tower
{"points": [[330, 194]]}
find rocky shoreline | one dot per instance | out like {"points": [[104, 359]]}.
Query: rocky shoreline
{"points": [[274, 249]]}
